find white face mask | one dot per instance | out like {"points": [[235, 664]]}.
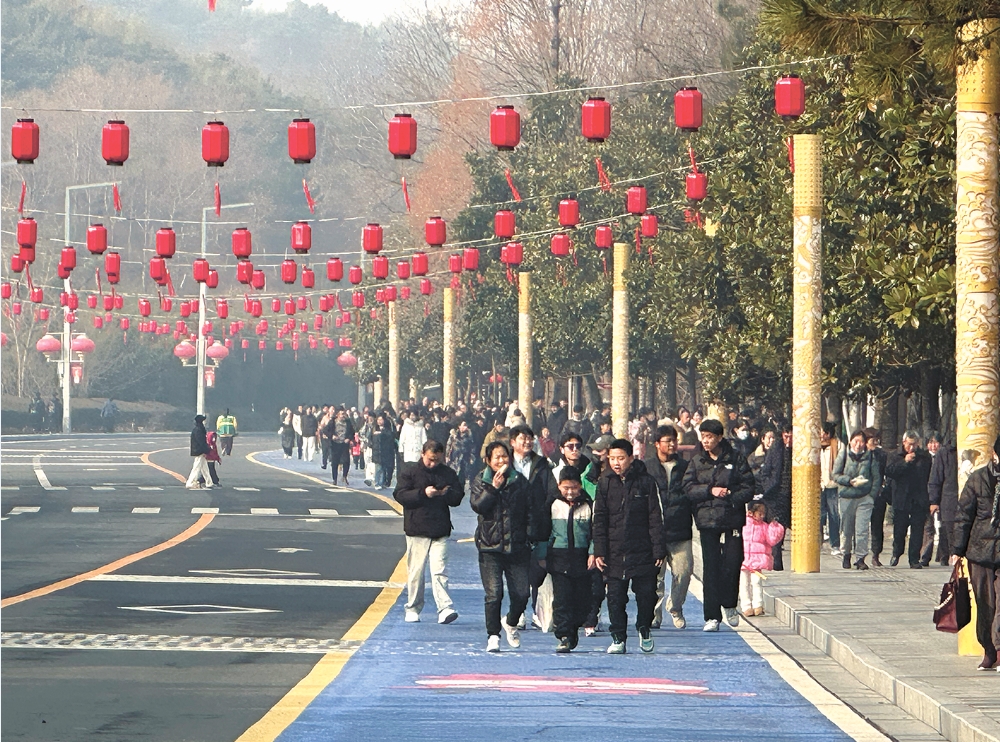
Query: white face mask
{"points": [[742, 435]]}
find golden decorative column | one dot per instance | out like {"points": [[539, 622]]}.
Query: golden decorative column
{"points": [[448, 370], [525, 347], [619, 344], [807, 347], [977, 260], [393, 356]]}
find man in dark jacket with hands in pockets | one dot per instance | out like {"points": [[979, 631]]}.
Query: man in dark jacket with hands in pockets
{"points": [[628, 542], [427, 489]]}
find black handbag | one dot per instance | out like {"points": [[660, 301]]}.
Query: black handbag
{"points": [[955, 609]]}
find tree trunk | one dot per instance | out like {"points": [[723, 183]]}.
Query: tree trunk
{"points": [[889, 422], [555, 43], [591, 392], [670, 388], [692, 379], [930, 390]]}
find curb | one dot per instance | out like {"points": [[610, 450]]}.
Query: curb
{"points": [[951, 718]]}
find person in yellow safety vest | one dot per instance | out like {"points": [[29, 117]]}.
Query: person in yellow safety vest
{"points": [[225, 428]]}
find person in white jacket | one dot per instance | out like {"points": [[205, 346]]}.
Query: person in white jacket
{"points": [[412, 437]]}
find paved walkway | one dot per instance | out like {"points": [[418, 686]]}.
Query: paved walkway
{"points": [[877, 625]]}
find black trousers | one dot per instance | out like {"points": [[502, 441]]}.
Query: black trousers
{"points": [[778, 554], [570, 603], [721, 557], [645, 602], [912, 521], [226, 443], [298, 444], [985, 583], [944, 545], [878, 524], [340, 459], [324, 444], [597, 593]]}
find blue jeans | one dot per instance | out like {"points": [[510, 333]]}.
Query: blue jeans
{"points": [[830, 510], [493, 568], [380, 476]]}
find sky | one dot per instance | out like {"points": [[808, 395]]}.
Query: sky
{"points": [[368, 11]]}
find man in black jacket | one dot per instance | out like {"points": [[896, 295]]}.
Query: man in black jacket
{"points": [[882, 498], [340, 432], [909, 469], [667, 468], [309, 425], [628, 542], [427, 489], [942, 491], [199, 449], [719, 484]]}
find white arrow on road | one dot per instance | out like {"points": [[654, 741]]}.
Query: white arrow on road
{"points": [[288, 550]]}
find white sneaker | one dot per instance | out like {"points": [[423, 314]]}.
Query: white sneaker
{"points": [[411, 617], [836, 552], [448, 615], [711, 625], [192, 486], [679, 621], [590, 631], [493, 643], [536, 623], [616, 647], [522, 622], [513, 635]]}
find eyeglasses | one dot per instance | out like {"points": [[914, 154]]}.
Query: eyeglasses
{"points": [[572, 446]]}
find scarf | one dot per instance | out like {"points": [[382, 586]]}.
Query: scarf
{"points": [[995, 471]]}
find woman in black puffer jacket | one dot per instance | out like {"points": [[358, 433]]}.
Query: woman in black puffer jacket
{"points": [[977, 538]]}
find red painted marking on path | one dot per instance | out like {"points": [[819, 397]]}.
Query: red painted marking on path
{"points": [[535, 684]]}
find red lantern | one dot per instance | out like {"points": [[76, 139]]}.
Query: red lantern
{"points": [[596, 125], [158, 270], [687, 109], [318, 322], [43, 314], [91, 302], [569, 212], [650, 225], [63, 272], [380, 296], [301, 141], [402, 136], [242, 243], [504, 225], [435, 231], [145, 308], [97, 239], [512, 253], [403, 269], [335, 270], [24, 141], [114, 143], [258, 281], [222, 309], [15, 309], [790, 97], [324, 303], [354, 275], [696, 185], [636, 200], [200, 270], [603, 236], [426, 287], [113, 266], [301, 237], [455, 263], [255, 308], [390, 293], [35, 295], [27, 232], [16, 264], [98, 322], [560, 245], [404, 292], [289, 307], [73, 301], [67, 258], [505, 128], [27, 253], [119, 301], [275, 305], [125, 323], [213, 279], [215, 144], [420, 266], [470, 258], [358, 299], [244, 343], [5, 290], [244, 271], [308, 278], [289, 271], [380, 267], [371, 238], [194, 304], [185, 309], [302, 302], [166, 243]]}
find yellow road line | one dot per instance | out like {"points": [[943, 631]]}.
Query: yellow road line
{"points": [[387, 500], [287, 710], [147, 462], [184, 535]]}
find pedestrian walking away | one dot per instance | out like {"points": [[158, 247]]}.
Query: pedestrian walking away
{"points": [[200, 451], [109, 412], [942, 493], [287, 435], [225, 428], [428, 489]]}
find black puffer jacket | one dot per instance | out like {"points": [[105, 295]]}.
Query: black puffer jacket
{"points": [[628, 527], [942, 487], [731, 471], [674, 505], [425, 516], [506, 518], [199, 440], [773, 481], [309, 425], [541, 484], [975, 537], [909, 481]]}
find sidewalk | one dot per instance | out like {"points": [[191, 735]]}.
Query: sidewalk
{"points": [[877, 625]]}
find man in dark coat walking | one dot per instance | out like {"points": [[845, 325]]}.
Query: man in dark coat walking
{"points": [[427, 490], [628, 542], [199, 449], [909, 469], [942, 492], [775, 484]]}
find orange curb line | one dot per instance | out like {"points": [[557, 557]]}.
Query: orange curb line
{"points": [[145, 459]]}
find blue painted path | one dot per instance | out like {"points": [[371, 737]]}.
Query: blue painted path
{"points": [[424, 681]]}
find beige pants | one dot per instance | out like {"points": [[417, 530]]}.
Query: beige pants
{"points": [[751, 594], [420, 551], [199, 468]]}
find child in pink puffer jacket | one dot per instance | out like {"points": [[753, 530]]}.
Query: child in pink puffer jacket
{"points": [[758, 538]]}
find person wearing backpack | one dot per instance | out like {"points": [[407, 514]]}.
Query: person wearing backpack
{"points": [[858, 478]]}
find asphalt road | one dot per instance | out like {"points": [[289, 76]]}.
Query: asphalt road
{"points": [[195, 642]]}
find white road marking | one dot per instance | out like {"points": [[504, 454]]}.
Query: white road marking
{"points": [[162, 642], [202, 511], [263, 511], [210, 610], [335, 489], [266, 581], [288, 550], [294, 489], [323, 512], [72, 463], [102, 488], [10, 487], [384, 513], [86, 509], [40, 475], [246, 489], [24, 509], [310, 520], [150, 489], [145, 511], [252, 572], [99, 469]]}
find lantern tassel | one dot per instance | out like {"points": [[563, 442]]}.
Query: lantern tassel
{"points": [[117, 198], [406, 193], [427, 309], [100, 289], [790, 143], [602, 177], [170, 284], [650, 254], [694, 164], [510, 182], [24, 192], [638, 242], [27, 276], [211, 6], [218, 200], [605, 266], [309, 199]]}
